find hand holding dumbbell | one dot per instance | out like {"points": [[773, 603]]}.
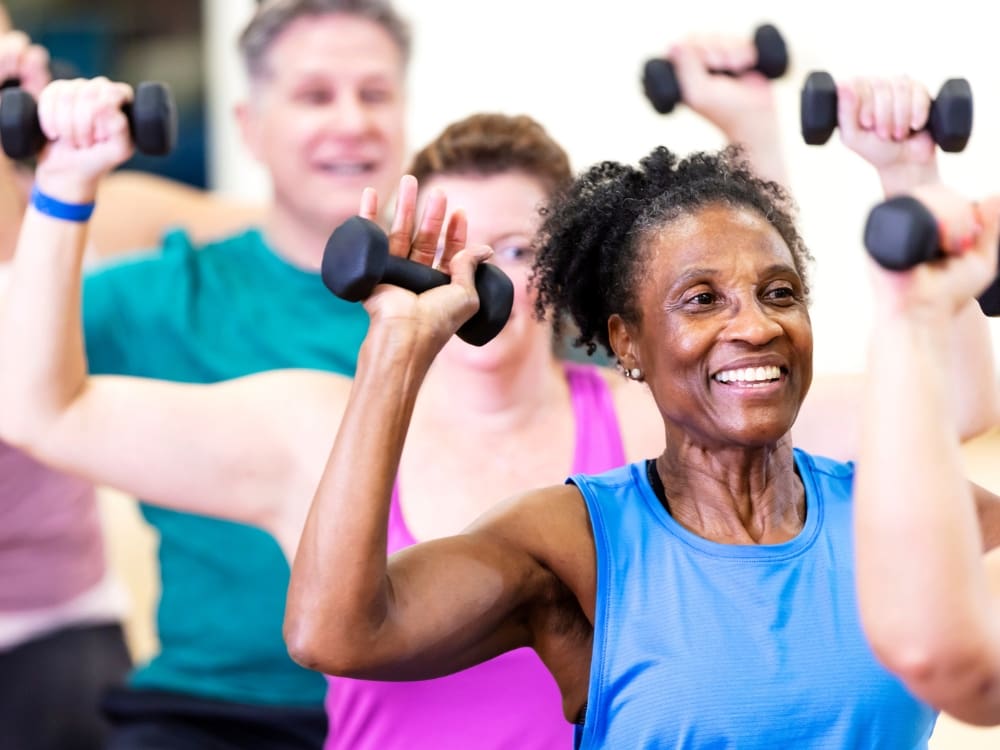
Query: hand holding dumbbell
{"points": [[152, 120], [949, 123], [357, 259], [22, 64], [659, 78], [902, 233]]}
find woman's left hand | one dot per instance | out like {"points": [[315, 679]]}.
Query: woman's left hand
{"points": [[969, 235]]}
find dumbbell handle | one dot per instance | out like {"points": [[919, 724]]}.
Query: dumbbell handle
{"points": [[901, 233], [659, 77], [152, 120], [349, 269]]}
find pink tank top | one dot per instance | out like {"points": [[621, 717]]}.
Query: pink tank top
{"points": [[50, 535], [508, 702]]}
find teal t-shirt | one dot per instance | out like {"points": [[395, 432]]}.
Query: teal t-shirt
{"points": [[201, 315]]}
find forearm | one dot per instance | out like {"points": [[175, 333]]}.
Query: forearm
{"points": [[759, 135], [13, 201], [921, 585], [339, 595], [42, 359], [972, 375]]}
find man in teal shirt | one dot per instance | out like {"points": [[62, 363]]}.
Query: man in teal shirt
{"points": [[326, 118]]}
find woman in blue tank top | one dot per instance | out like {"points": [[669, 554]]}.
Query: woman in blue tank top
{"points": [[701, 599]]}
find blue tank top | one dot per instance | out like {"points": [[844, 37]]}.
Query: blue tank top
{"points": [[749, 647]]}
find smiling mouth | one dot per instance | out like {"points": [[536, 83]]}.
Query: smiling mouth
{"points": [[347, 169], [750, 377]]}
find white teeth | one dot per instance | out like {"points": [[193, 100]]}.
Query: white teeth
{"points": [[346, 169], [749, 375]]}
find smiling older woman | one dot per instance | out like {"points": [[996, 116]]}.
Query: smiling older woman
{"points": [[688, 601]]}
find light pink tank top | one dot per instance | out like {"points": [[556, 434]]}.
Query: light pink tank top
{"points": [[509, 702], [51, 548]]}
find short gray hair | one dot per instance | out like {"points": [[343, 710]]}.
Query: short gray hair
{"points": [[274, 16]]}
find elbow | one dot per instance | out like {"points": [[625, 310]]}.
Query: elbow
{"points": [[320, 648], [27, 435], [957, 677], [303, 645]]}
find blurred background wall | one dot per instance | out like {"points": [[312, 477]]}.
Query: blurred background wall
{"points": [[575, 67]]}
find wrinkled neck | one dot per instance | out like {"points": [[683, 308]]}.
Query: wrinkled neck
{"points": [[736, 495]]}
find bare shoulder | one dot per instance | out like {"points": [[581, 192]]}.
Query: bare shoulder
{"points": [[829, 420], [205, 215], [638, 416], [552, 526]]}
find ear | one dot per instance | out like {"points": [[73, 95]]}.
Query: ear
{"points": [[620, 335], [246, 119]]}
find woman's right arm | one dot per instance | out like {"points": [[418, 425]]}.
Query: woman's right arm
{"points": [[436, 607], [236, 450]]}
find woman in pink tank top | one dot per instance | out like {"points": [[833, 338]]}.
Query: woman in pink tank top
{"points": [[499, 170]]}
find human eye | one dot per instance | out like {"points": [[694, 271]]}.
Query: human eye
{"points": [[514, 255], [314, 95], [375, 95], [781, 293], [701, 299]]}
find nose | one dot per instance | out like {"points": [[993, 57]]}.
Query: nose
{"points": [[753, 323], [349, 115]]}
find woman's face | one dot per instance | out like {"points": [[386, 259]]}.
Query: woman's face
{"points": [[724, 340], [502, 210]]}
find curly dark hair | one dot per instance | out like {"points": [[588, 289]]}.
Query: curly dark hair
{"points": [[591, 244]]}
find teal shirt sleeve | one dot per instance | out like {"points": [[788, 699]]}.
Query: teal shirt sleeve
{"points": [[118, 299]]}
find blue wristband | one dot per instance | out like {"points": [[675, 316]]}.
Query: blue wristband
{"points": [[50, 206]]}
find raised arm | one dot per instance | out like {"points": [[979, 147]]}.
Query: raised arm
{"points": [[439, 606], [742, 107], [116, 227], [928, 601], [882, 120], [239, 450]]}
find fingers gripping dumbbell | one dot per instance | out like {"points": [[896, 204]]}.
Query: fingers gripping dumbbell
{"points": [[949, 123], [357, 259], [902, 233], [659, 79], [152, 120]]}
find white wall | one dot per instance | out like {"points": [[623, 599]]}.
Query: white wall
{"points": [[575, 66]]}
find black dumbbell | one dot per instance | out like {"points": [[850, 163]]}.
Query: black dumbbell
{"points": [[357, 258], [152, 120], [659, 79], [950, 121], [902, 233]]}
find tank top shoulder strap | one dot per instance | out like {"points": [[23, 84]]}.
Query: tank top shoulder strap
{"points": [[598, 435]]}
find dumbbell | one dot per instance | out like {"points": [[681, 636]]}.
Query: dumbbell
{"points": [[659, 79], [950, 121], [902, 233], [357, 258], [152, 120]]}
